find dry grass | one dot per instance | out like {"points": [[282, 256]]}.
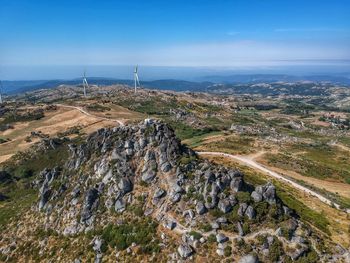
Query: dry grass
{"points": [[58, 121]]}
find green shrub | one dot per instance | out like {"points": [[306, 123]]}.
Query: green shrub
{"points": [[243, 197], [98, 107], [206, 227], [227, 251], [195, 235], [211, 238], [24, 172], [275, 250], [246, 227], [184, 160], [216, 212], [142, 232]]}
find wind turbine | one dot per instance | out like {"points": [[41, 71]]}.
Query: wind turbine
{"points": [[85, 83], [136, 79], [1, 92]]}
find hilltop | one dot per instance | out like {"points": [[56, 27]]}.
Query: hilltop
{"points": [[135, 192]]}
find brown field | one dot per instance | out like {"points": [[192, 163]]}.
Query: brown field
{"points": [[58, 121], [118, 112]]}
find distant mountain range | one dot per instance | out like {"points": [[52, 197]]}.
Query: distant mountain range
{"points": [[15, 87], [202, 84], [268, 78]]}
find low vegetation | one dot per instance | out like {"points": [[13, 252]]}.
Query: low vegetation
{"points": [[12, 117], [139, 231]]}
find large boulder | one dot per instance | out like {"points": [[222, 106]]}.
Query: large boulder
{"points": [[90, 202], [209, 176], [200, 208], [185, 250], [249, 259], [221, 238], [159, 193], [119, 205], [225, 205], [242, 208], [270, 193], [240, 229], [125, 185], [237, 184], [44, 198], [250, 212], [257, 197], [148, 175]]}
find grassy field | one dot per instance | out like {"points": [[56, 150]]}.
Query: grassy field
{"points": [[319, 160], [229, 144], [198, 140]]}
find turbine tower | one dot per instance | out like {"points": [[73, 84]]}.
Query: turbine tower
{"points": [[1, 92], [85, 83], [136, 79]]}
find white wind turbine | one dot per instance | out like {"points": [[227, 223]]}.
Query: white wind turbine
{"points": [[85, 83], [136, 79]]}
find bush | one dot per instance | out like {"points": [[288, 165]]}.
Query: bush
{"points": [[206, 227], [24, 172], [243, 197], [187, 159], [275, 250], [195, 235], [216, 212], [227, 251], [98, 107], [233, 216], [211, 238], [261, 208], [246, 227], [141, 232]]}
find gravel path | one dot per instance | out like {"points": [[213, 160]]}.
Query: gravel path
{"points": [[89, 114], [251, 163]]}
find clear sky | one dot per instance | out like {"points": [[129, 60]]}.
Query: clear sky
{"points": [[173, 32]]}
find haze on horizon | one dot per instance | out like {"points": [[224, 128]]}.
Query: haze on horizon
{"points": [[235, 35]]}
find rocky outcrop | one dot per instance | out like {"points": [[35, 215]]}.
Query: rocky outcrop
{"points": [[265, 192], [185, 250], [142, 171], [90, 203], [249, 259]]}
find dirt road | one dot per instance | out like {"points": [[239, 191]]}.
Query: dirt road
{"points": [[251, 163], [89, 114]]}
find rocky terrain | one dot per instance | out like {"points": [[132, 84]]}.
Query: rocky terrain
{"points": [[135, 193]]}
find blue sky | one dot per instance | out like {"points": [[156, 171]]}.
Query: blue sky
{"points": [[218, 33]]}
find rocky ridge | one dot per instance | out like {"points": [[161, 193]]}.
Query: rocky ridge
{"points": [[144, 171]]}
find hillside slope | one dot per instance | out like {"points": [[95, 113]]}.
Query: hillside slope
{"points": [[135, 193]]}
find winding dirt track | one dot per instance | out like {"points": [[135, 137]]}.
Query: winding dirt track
{"points": [[89, 114], [251, 163]]}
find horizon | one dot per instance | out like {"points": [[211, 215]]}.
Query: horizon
{"points": [[239, 35], [149, 73]]}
